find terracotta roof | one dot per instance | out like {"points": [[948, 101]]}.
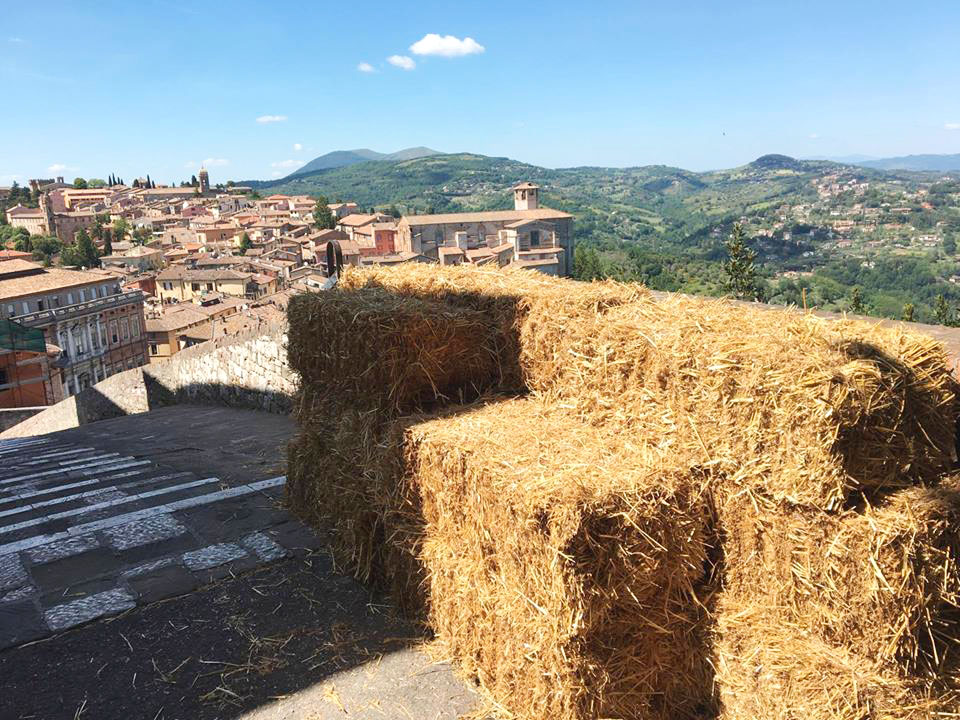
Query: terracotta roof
{"points": [[36, 279], [485, 216], [181, 272], [525, 186], [450, 251], [176, 317]]}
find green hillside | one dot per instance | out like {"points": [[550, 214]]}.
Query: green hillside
{"points": [[665, 226]]}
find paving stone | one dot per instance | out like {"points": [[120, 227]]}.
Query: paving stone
{"points": [[162, 548], [68, 615], [297, 537], [161, 583], [144, 532], [263, 546], [149, 567], [104, 496], [75, 591], [62, 549], [20, 593], [76, 569], [213, 555], [12, 572], [20, 622]]}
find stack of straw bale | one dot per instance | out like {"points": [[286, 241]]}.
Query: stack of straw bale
{"points": [[691, 484], [563, 564]]}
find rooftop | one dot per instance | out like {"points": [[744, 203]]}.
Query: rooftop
{"points": [[542, 213], [19, 278]]}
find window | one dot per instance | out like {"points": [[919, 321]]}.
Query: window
{"points": [[534, 238], [69, 298], [26, 307], [40, 305], [3, 376], [168, 286], [209, 286], [154, 349], [113, 332], [125, 328], [195, 286], [135, 327], [56, 301], [83, 294]]}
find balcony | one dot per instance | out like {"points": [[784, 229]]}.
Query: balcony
{"points": [[67, 312]]}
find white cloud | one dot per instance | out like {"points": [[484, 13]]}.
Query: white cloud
{"points": [[446, 46], [813, 136], [366, 68], [276, 174], [951, 126], [57, 167], [263, 119], [402, 61], [16, 40], [297, 147], [287, 163]]}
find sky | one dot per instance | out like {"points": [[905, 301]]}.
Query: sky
{"points": [[253, 89]]}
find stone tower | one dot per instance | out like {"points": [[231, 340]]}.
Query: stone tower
{"points": [[204, 179], [526, 196]]}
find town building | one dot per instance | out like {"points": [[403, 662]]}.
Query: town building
{"points": [[541, 238], [98, 326], [179, 283], [29, 368]]}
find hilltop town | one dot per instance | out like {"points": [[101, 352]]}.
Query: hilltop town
{"points": [[96, 278]]}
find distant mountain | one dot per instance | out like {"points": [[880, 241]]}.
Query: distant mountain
{"points": [[936, 163], [343, 158], [777, 162]]}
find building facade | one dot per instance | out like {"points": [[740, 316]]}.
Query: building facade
{"points": [[529, 226], [98, 327]]}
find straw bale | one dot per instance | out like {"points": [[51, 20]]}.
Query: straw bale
{"points": [[882, 581], [564, 567], [509, 298], [767, 670], [384, 351], [801, 409]]}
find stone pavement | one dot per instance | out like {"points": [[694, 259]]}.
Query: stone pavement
{"points": [[184, 505]]}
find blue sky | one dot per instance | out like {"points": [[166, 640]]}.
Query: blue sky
{"points": [[158, 86]]}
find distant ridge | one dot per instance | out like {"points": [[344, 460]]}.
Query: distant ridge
{"points": [[942, 163], [343, 158]]}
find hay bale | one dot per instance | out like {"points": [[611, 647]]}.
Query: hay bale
{"points": [[508, 298], [767, 670], [563, 566], [380, 350], [800, 409], [881, 581]]}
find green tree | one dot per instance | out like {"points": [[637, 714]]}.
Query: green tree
{"points": [[107, 242], [142, 235], [586, 264], [194, 182], [80, 183], [740, 267], [322, 216], [245, 243], [45, 248], [856, 300], [120, 229], [941, 311], [908, 312], [22, 242], [949, 244], [96, 183]]}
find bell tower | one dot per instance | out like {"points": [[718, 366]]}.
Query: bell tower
{"points": [[526, 196], [204, 180]]}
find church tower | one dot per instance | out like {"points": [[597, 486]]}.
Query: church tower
{"points": [[526, 196], [204, 179]]}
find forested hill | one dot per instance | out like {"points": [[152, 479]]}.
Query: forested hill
{"points": [[814, 224]]}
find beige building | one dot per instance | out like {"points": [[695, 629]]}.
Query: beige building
{"points": [[74, 197], [537, 235], [30, 219], [180, 326], [178, 283]]}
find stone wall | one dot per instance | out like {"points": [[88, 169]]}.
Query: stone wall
{"points": [[13, 416], [248, 370]]}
